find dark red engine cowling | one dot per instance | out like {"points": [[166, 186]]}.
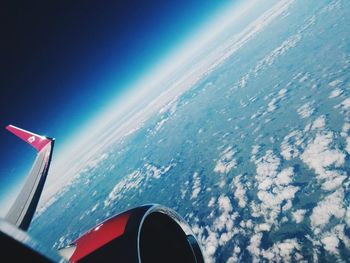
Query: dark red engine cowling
{"points": [[146, 234]]}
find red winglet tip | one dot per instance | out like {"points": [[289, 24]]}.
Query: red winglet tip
{"points": [[36, 141]]}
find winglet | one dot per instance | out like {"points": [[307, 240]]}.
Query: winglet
{"points": [[36, 141]]}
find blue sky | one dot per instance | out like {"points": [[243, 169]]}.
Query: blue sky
{"points": [[64, 61]]}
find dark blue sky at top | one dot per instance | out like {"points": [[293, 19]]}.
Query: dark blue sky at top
{"points": [[63, 61]]}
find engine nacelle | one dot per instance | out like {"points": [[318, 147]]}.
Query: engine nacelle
{"points": [[146, 234]]}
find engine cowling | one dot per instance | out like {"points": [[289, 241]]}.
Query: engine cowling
{"points": [[146, 234]]}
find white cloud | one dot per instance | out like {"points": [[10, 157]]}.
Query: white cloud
{"points": [[240, 192], [339, 232], [184, 189], [266, 167], [211, 202], [94, 163], [196, 187], [254, 245], [330, 206], [331, 243], [287, 206], [255, 149], [135, 180], [272, 105], [347, 147], [345, 129], [284, 251], [346, 104], [306, 110], [226, 161], [224, 204], [290, 145], [335, 179], [319, 156], [211, 244], [262, 227], [234, 258], [347, 218], [319, 123], [157, 172], [335, 93], [130, 181], [274, 189], [334, 83], [221, 231], [160, 124], [298, 215], [285, 177], [282, 93]]}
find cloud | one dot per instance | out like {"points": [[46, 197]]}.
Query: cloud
{"points": [[184, 189], [224, 204], [221, 231], [345, 129], [319, 156], [211, 202], [196, 188], [284, 251], [347, 218], [335, 93], [255, 150], [254, 245], [306, 110], [345, 104], [298, 215], [347, 148], [291, 144], [331, 243], [240, 192], [135, 180], [157, 172], [234, 258], [330, 206], [272, 105], [266, 168], [129, 182], [274, 189], [226, 161], [334, 83], [319, 123], [285, 177]]}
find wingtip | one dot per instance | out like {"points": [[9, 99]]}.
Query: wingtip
{"points": [[36, 141]]}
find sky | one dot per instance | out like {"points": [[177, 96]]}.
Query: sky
{"points": [[62, 62]]}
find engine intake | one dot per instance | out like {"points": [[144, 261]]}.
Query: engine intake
{"points": [[146, 234]]}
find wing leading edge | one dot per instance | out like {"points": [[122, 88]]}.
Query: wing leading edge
{"points": [[22, 211]]}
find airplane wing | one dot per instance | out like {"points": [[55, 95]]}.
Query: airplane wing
{"points": [[148, 234], [22, 211]]}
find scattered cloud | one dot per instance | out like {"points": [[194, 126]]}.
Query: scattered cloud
{"points": [[335, 93], [306, 110], [298, 215], [334, 83], [319, 123], [345, 104], [240, 192], [290, 146], [331, 243], [330, 206], [196, 187], [226, 161], [319, 156]]}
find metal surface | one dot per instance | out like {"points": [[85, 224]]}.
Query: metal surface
{"points": [[22, 211]]}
